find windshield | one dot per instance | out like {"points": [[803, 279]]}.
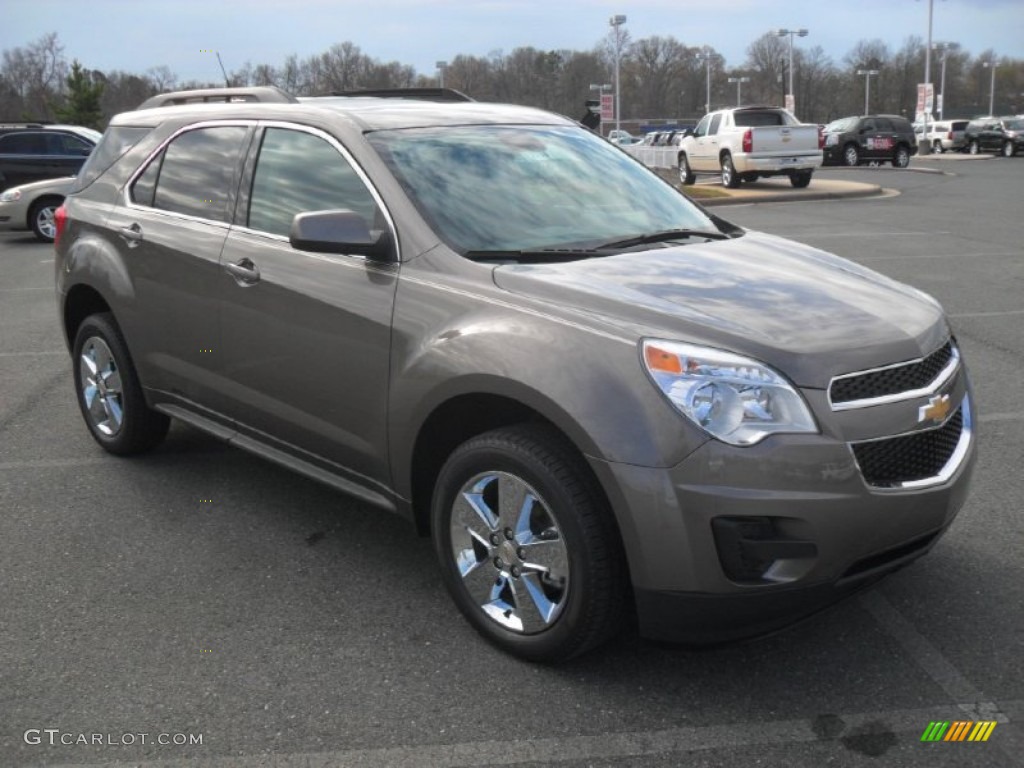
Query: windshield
{"points": [[841, 125], [513, 188]]}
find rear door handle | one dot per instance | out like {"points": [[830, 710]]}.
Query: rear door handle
{"points": [[132, 235], [244, 271]]}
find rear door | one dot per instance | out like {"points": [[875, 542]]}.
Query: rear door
{"points": [[170, 233], [307, 336]]}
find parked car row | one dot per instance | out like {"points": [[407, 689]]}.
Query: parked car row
{"points": [[1004, 135]]}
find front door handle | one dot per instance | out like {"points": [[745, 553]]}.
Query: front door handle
{"points": [[244, 271]]}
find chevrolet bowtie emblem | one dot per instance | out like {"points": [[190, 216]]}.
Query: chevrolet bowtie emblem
{"points": [[936, 410]]}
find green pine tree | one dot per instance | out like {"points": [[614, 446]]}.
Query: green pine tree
{"points": [[83, 103]]}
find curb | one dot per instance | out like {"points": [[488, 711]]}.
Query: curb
{"points": [[786, 196]]}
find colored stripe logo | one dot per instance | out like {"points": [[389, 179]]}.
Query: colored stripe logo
{"points": [[959, 730]]}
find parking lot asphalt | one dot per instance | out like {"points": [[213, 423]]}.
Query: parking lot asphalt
{"points": [[203, 592]]}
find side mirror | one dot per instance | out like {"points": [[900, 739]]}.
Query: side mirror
{"points": [[339, 231]]}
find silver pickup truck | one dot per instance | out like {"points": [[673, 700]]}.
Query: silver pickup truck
{"points": [[747, 143]]}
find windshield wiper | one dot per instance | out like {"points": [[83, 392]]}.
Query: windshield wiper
{"points": [[538, 255], [663, 236]]}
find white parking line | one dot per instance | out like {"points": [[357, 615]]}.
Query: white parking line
{"points": [[602, 746], [994, 313], [42, 353], [933, 663]]}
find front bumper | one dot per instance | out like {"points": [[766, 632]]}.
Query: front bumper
{"points": [[807, 512]]}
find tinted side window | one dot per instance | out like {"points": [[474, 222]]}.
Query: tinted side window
{"points": [[298, 172], [23, 144], [115, 142], [198, 170], [702, 127], [145, 185], [884, 124], [715, 121]]}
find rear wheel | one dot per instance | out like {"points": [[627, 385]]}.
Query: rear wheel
{"points": [[686, 174], [851, 155], [730, 178], [109, 394], [527, 546], [937, 147], [41, 218], [974, 148], [1009, 149], [800, 179], [902, 157]]}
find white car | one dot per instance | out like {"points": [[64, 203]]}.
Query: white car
{"points": [[32, 206], [622, 137], [943, 135]]}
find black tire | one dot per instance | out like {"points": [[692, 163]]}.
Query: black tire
{"points": [[851, 155], [974, 148], [40, 218], [800, 179], [750, 178], [588, 585], [1009, 149], [686, 174], [902, 157], [140, 428], [730, 178]]}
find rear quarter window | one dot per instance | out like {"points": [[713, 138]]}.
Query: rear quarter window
{"points": [[115, 142]]}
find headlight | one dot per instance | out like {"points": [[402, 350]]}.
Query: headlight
{"points": [[736, 399], [10, 196]]}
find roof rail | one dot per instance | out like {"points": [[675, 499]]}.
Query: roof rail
{"points": [[423, 94], [259, 93]]}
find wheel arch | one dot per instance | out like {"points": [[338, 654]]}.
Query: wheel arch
{"points": [[81, 301], [464, 415]]}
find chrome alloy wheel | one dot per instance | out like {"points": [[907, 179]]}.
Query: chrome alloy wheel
{"points": [[100, 384], [510, 552], [46, 222]]}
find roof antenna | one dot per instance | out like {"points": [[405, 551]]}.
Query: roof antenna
{"points": [[226, 81]]}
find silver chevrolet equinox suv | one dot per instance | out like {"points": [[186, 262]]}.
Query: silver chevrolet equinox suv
{"points": [[599, 400]]}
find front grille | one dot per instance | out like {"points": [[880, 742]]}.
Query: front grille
{"points": [[893, 461], [891, 381]]}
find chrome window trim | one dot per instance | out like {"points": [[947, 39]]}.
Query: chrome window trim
{"points": [[129, 203], [951, 466], [934, 386]]}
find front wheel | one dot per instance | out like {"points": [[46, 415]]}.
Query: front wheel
{"points": [[974, 147], [800, 179], [108, 390], [1009, 149], [41, 218], [937, 147], [730, 178], [686, 174], [902, 157], [527, 546]]}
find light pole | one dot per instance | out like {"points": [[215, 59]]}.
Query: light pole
{"points": [[791, 33], [944, 48], [705, 56], [441, 67], [616, 22], [926, 148], [739, 84], [867, 86], [992, 88]]}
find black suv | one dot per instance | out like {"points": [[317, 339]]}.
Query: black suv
{"points": [[872, 138], [1004, 135], [35, 151]]}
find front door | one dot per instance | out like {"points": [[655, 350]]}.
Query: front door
{"points": [[307, 336]]}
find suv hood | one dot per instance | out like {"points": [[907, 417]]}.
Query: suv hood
{"points": [[810, 314]]}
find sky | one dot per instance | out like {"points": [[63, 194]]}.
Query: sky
{"points": [[134, 35]]}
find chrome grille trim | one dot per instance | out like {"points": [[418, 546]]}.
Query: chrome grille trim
{"points": [[934, 386]]}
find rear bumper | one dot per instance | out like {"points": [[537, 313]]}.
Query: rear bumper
{"points": [[777, 164]]}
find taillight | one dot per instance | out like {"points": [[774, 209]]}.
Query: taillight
{"points": [[60, 219], [821, 137], [748, 140], [949, 135]]}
